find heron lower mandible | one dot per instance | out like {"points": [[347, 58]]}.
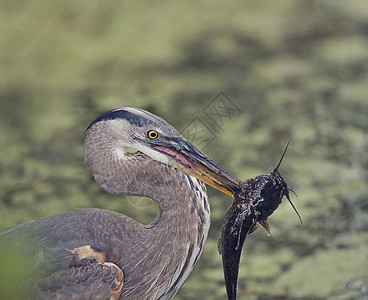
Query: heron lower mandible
{"points": [[101, 254]]}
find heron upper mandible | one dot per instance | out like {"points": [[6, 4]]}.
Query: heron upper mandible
{"points": [[101, 254]]}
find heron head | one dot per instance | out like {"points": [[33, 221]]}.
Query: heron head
{"points": [[134, 130]]}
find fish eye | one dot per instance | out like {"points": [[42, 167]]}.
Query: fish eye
{"points": [[152, 134]]}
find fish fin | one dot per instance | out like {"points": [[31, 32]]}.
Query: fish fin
{"points": [[266, 226]]}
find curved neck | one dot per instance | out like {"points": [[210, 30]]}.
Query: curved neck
{"points": [[171, 245], [178, 195]]}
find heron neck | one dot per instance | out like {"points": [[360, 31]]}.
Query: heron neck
{"points": [[172, 244], [183, 204], [178, 233], [182, 199], [156, 258]]}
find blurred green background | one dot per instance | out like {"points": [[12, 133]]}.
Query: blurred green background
{"points": [[293, 69]]}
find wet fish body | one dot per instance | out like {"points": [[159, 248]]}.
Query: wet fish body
{"points": [[237, 224], [254, 202]]}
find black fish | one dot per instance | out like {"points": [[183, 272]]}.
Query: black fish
{"points": [[254, 202]]}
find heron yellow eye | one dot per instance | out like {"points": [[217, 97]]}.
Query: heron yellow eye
{"points": [[152, 134]]}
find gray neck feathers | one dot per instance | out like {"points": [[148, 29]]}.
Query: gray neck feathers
{"points": [[180, 228], [134, 174]]}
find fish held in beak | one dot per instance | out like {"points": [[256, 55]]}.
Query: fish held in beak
{"points": [[254, 201]]}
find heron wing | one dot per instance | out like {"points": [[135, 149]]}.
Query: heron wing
{"points": [[89, 280], [68, 256]]}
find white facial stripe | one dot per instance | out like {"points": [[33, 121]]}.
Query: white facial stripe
{"points": [[154, 154], [120, 151], [120, 148]]}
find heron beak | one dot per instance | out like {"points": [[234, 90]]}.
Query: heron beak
{"points": [[194, 162]]}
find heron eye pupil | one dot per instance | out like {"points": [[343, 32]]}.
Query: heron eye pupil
{"points": [[152, 134]]}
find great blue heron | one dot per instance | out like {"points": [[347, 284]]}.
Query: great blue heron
{"points": [[101, 254]]}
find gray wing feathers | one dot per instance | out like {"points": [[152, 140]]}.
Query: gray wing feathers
{"points": [[90, 280]]}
